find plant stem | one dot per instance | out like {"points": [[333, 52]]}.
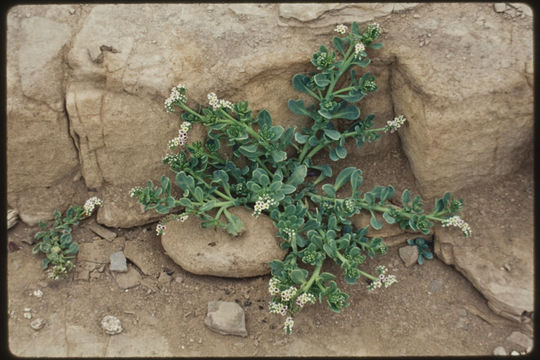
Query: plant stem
{"points": [[189, 110], [379, 208], [314, 276]]}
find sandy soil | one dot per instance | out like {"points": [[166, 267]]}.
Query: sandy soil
{"points": [[432, 310]]}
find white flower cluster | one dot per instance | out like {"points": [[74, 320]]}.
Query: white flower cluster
{"points": [[359, 47], [169, 158], [305, 298], [395, 124], [263, 203], [160, 229], [217, 103], [289, 323], [278, 308], [348, 204], [288, 294], [458, 222], [177, 95], [272, 286], [183, 218], [90, 205], [383, 279], [182, 137], [135, 191], [341, 29], [290, 233]]}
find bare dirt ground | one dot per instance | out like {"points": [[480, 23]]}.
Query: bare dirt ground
{"points": [[432, 310]]}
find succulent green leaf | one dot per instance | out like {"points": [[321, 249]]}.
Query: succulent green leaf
{"points": [[343, 177], [299, 276], [339, 45], [298, 175], [332, 134], [329, 190], [298, 107], [300, 83]]}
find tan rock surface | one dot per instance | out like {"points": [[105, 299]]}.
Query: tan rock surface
{"points": [[216, 253]]}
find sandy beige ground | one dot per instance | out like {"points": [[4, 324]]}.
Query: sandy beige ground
{"points": [[432, 310]]}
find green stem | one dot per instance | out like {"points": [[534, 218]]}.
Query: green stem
{"points": [[216, 191], [379, 208], [189, 110], [314, 276]]}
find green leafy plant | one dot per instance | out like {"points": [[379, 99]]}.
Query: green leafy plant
{"points": [[57, 243], [267, 172], [424, 251]]}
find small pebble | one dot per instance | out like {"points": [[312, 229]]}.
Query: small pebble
{"points": [[38, 293], [514, 353], [37, 324], [111, 325], [499, 351], [27, 315]]}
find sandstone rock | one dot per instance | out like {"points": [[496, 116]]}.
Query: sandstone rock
{"points": [[120, 210], [320, 15], [421, 91], [98, 251], [499, 7], [140, 254], [101, 231], [226, 318], [479, 258], [11, 218], [129, 279], [244, 256], [409, 255]]}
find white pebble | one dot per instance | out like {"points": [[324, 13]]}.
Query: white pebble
{"points": [[38, 293], [27, 315], [111, 325]]}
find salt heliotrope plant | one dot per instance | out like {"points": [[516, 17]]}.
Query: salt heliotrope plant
{"points": [[271, 172], [57, 243]]}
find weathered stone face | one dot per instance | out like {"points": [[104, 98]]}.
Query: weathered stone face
{"points": [[215, 252], [466, 91]]}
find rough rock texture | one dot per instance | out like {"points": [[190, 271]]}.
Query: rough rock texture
{"points": [[120, 210], [214, 252], [113, 66], [40, 152], [226, 318], [409, 255], [498, 257], [468, 102]]}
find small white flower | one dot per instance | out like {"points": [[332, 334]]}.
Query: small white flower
{"points": [[341, 29], [135, 191], [458, 222], [263, 203], [288, 294], [289, 323], [359, 47], [278, 308], [160, 229], [90, 205], [177, 95], [395, 124], [305, 298], [381, 269]]}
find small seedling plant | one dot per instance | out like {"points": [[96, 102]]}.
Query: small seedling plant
{"points": [[57, 243], [268, 169]]}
